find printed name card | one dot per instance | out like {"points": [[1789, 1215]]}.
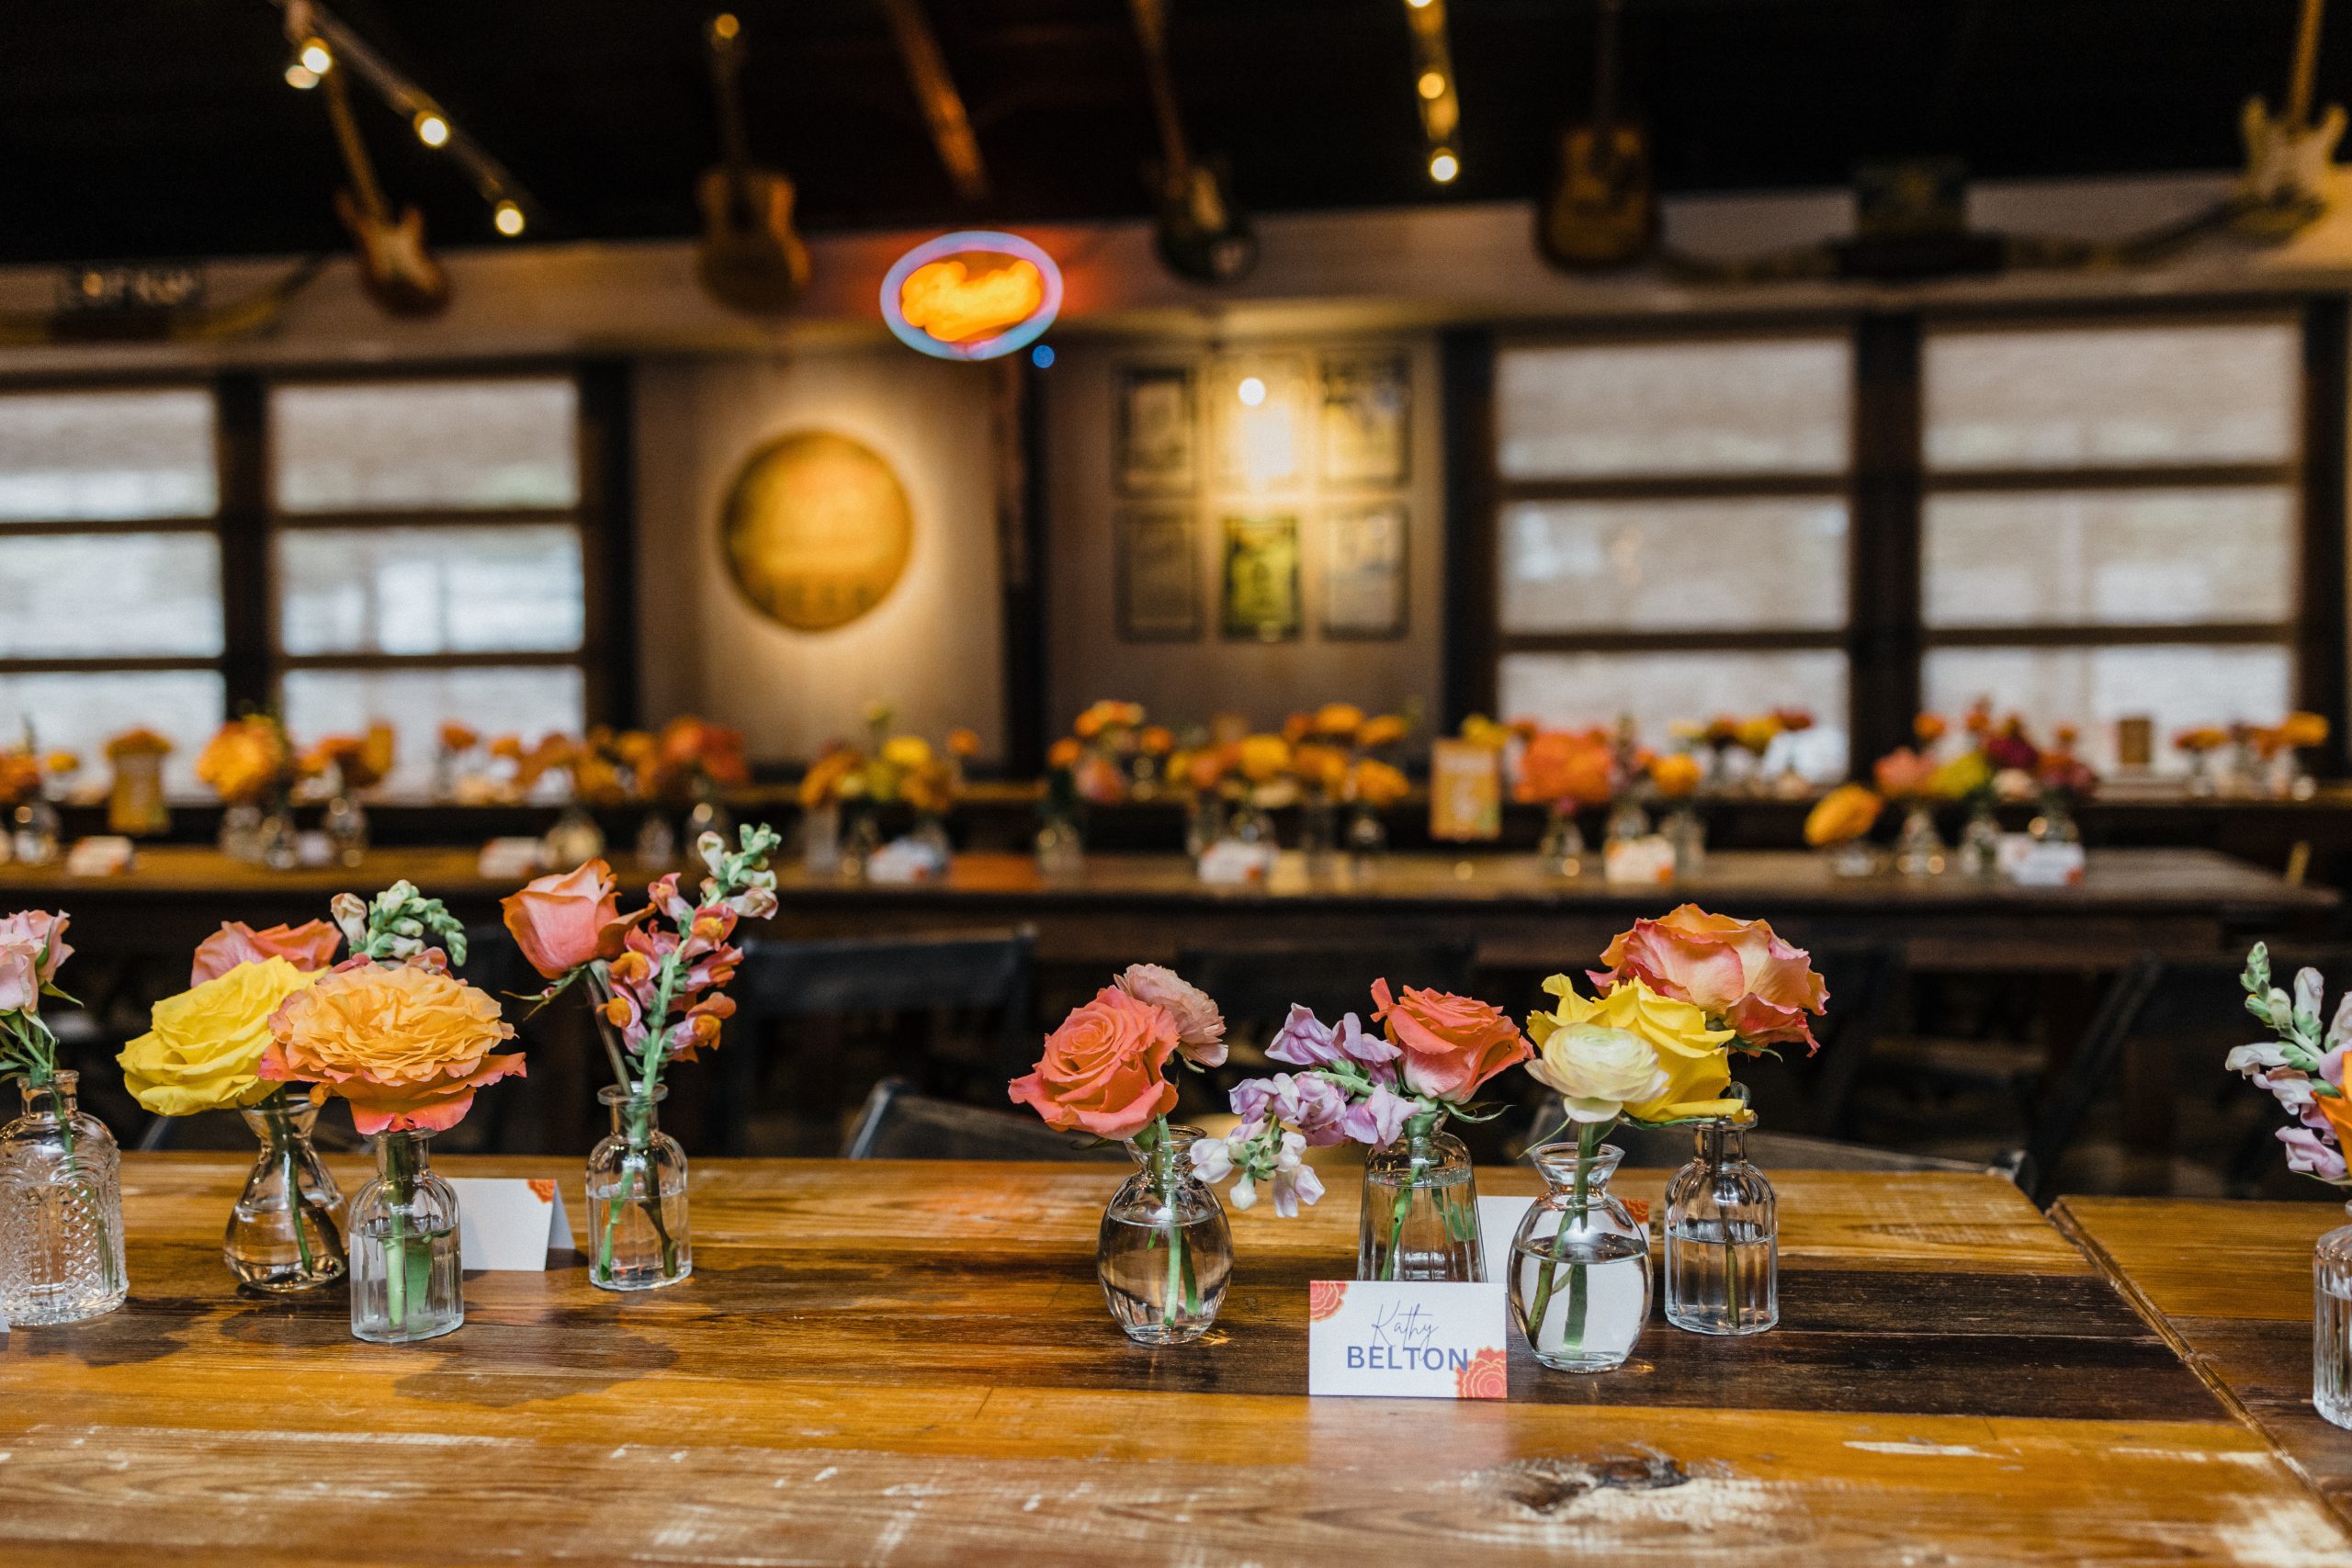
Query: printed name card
{"points": [[509, 1223], [100, 855], [1406, 1339]]}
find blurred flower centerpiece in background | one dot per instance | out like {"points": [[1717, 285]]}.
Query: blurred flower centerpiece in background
{"points": [[135, 800], [1565, 770], [2280, 747], [1375, 783], [846, 789], [31, 832], [253, 767], [350, 765]]}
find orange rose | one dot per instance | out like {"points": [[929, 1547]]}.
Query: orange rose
{"points": [[1375, 782], [1064, 754], [1928, 728], [1560, 768], [1451, 1044], [309, 947], [562, 922], [405, 1045], [1903, 774], [1739, 971], [1385, 730], [1846, 812], [1340, 719], [1104, 1070], [1676, 774]]}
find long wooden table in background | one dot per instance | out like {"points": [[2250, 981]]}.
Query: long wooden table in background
{"points": [[911, 1364]]}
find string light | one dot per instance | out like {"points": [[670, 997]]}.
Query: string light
{"points": [[1444, 165], [315, 57], [508, 218], [1252, 391], [1432, 84], [301, 76], [431, 128], [1434, 92]]}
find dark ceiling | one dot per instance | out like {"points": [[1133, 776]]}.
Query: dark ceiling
{"points": [[161, 128]]}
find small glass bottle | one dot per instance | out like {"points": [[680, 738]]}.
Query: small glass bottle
{"points": [[709, 814], [1980, 841], [1165, 1253], [573, 839], [2055, 824], [240, 837], [286, 1233], [1420, 1209], [2332, 1325], [277, 843], [1919, 848], [821, 840], [404, 1250], [657, 842], [39, 832], [345, 825], [1686, 833], [1061, 849], [1204, 824], [1367, 841], [1561, 849], [1580, 1264], [60, 1211], [863, 836], [636, 1197], [1723, 1260]]}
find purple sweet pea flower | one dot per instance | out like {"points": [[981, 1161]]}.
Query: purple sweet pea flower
{"points": [[1361, 1047], [2312, 1155], [1378, 1119], [1304, 1041]]}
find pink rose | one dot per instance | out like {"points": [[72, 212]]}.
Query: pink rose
{"points": [[32, 944], [1739, 971], [1104, 1070], [1200, 1027], [562, 922], [1451, 1044], [309, 947]]}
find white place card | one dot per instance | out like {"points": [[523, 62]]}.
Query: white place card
{"points": [[505, 859], [1406, 1339], [100, 854], [2041, 865], [1497, 1223], [509, 1222], [1637, 862]]}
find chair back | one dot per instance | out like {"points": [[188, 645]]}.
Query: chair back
{"points": [[1812, 1093], [2088, 1074], [1668, 1147], [899, 1123]]}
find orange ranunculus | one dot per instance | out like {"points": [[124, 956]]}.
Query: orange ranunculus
{"points": [[244, 759], [1385, 730], [1904, 773], [1298, 726], [2202, 738], [1340, 720], [1739, 971], [1928, 728], [407, 1045], [1451, 1044], [2300, 730], [1375, 783], [1676, 774], [822, 782], [1063, 753], [1104, 1070], [964, 742], [562, 922], [1207, 768], [457, 736], [1846, 812], [1320, 764], [1264, 757], [1566, 768], [309, 947], [1157, 740]]}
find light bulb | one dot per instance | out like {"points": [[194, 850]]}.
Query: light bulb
{"points": [[1432, 84], [1252, 392], [1443, 166], [508, 218], [315, 57], [1418, 4], [725, 24], [431, 128], [301, 76]]}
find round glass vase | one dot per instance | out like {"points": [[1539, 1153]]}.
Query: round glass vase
{"points": [[1165, 1252], [404, 1251], [1561, 850], [1420, 1210], [636, 1197], [2332, 1325], [287, 1232], [1919, 848], [60, 1211], [1979, 841], [1580, 1264], [1722, 1235]]}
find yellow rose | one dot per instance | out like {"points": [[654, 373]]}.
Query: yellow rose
{"points": [[908, 751], [1693, 1058], [204, 1045]]}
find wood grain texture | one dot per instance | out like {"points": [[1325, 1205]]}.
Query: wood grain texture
{"points": [[911, 1363]]}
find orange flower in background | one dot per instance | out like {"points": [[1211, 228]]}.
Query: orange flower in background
{"points": [[407, 1045], [2300, 730], [1846, 812], [1298, 726], [246, 759], [62, 762], [1566, 768], [1721, 730], [1980, 717], [1796, 721], [1903, 774], [1340, 720], [1928, 728], [1377, 783], [1739, 971], [965, 743], [2203, 737], [562, 922], [1107, 715], [139, 740], [1063, 753], [1205, 770], [1104, 1070], [1263, 758], [19, 777], [1676, 774], [1157, 740], [309, 947], [1100, 780], [823, 783], [457, 737], [1757, 734], [1320, 764], [1385, 730], [1451, 1044]]}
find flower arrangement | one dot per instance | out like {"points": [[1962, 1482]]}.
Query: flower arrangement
{"points": [[2304, 1068], [249, 762], [891, 767], [32, 947], [1565, 768], [358, 761]]}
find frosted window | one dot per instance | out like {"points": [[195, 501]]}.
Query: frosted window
{"points": [[393, 445], [1671, 565], [1657, 688], [527, 701], [2122, 396], [80, 713], [75, 456], [2115, 557], [430, 590], [1776, 406], [109, 595], [2092, 687]]}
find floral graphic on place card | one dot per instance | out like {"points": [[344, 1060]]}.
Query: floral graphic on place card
{"points": [[1324, 1299], [1486, 1377]]}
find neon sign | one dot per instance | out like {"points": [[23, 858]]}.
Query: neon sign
{"points": [[972, 294]]}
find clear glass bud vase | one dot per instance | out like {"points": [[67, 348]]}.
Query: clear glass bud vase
{"points": [[636, 1197], [1723, 1240], [2332, 1325], [1165, 1252], [1580, 1264], [286, 1233], [404, 1252], [60, 1211], [1420, 1210]]}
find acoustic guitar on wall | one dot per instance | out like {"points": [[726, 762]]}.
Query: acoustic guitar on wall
{"points": [[1602, 211], [750, 259], [2289, 158], [395, 269], [1199, 232]]}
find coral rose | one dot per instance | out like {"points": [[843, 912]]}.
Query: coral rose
{"points": [[562, 922], [1105, 1069], [1200, 1027], [32, 944], [1691, 1057], [202, 1050], [309, 946], [1451, 1044], [1739, 971], [407, 1047]]}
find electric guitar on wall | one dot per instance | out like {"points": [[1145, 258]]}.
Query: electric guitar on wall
{"points": [[1200, 232], [1602, 211], [394, 266], [2288, 159], [750, 259]]}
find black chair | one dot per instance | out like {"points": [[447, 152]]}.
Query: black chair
{"points": [[1256, 986], [1814, 1093], [899, 1123]]}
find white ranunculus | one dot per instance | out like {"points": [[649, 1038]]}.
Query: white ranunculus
{"points": [[1599, 1071]]}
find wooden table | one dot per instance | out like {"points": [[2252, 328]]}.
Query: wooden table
{"points": [[911, 1364], [2230, 1286]]}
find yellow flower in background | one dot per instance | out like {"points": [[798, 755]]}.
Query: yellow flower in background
{"points": [[907, 752], [1264, 757], [1480, 730], [1846, 812], [203, 1047], [1342, 719], [1961, 777], [1375, 782], [1694, 1059], [1676, 774], [1757, 734], [1385, 730]]}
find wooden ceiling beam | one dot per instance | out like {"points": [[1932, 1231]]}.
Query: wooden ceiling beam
{"points": [[943, 106]]}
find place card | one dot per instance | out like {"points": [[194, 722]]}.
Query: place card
{"points": [[2030, 864], [1406, 1339], [1641, 862], [505, 859], [1465, 792], [101, 854], [1230, 863], [510, 1223]]}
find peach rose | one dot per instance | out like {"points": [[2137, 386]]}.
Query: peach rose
{"points": [[1200, 1027], [309, 947], [1451, 1044], [562, 922], [1739, 971], [1104, 1070], [32, 944], [406, 1045]]}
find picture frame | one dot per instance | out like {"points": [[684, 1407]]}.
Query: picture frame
{"points": [[1362, 572], [1159, 450], [1262, 415], [1258, 577], [1158, 594], [1364, 421]]}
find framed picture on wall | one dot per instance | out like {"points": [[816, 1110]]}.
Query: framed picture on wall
{"points": [[1364, 571], [1366, 419], [1159, 444], [1158, 589], [1259, 577], [1258, 405]]}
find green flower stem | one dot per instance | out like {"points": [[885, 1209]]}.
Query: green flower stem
{"points": [[400, 1175], [1588, 1137]]}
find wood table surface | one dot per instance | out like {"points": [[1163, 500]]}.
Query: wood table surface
{"points": [[911, 1364], [2230, 1285]]}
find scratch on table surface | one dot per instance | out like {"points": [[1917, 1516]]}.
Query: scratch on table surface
{"points": [[2276, 1536], [825, 1474], [1918, 1446]]}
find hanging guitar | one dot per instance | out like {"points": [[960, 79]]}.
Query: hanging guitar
{"points": [[2288, 159], [1199, 232], [394, 266], [1602, 211], [750, 259]]}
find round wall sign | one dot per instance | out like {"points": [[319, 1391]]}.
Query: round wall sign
{"points": [[817, 530]]}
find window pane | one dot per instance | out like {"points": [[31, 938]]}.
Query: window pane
{"points": [[430, 590], [2147, 558], [2112, 395], [1658, 689], [527, 701], [72, 456], [1770, 407], [82, 713], [2092, 687], [95, 595], [1644, 566], [393, 445]]}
